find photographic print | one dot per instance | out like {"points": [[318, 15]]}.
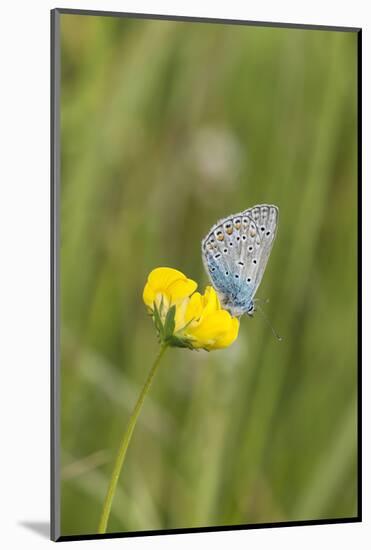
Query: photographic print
{"points": [[205, 211]]}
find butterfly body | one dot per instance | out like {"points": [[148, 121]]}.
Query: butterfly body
{"points": [[235, 253]]}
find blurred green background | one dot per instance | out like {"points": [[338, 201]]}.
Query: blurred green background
{"points": [[167, 127]]}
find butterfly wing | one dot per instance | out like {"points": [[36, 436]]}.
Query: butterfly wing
{"points": [[265, 216], [235, 253]]}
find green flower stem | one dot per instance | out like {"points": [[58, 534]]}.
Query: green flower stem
{"points": [[125, 444]]}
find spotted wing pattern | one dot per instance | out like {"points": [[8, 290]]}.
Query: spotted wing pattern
{"points": [[235, 254]]}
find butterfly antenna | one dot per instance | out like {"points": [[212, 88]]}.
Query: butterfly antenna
{"points": [[264, 300], [279, 338]]}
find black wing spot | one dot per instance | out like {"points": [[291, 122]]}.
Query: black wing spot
{"points": [[227, 273], [217, 256], [213, 269], [225, 250], [237, 276], [244, 237], [268, 233], [262, 228], [248, 280], [230, 244], [238, 238], [254, 261], [250, 248], [241, 263]]}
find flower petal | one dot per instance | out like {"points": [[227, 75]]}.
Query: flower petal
{"points": [[161, 277], [181, 288], [194, 308], [180, 314], [148, 296], [211, 301], [212, 327], [228, 337]]}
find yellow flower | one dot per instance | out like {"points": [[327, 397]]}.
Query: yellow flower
{"points": [[166, 287], [210, 327], [185, 318]]}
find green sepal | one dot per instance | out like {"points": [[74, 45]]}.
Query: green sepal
{"points": [[176, 342], [169, 324], [157, 321], [165, 331]]}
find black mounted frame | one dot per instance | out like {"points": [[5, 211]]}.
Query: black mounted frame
{"points": [[55, 281]]}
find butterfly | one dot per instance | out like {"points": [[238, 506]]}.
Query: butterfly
{"points": [[235, 253]]}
